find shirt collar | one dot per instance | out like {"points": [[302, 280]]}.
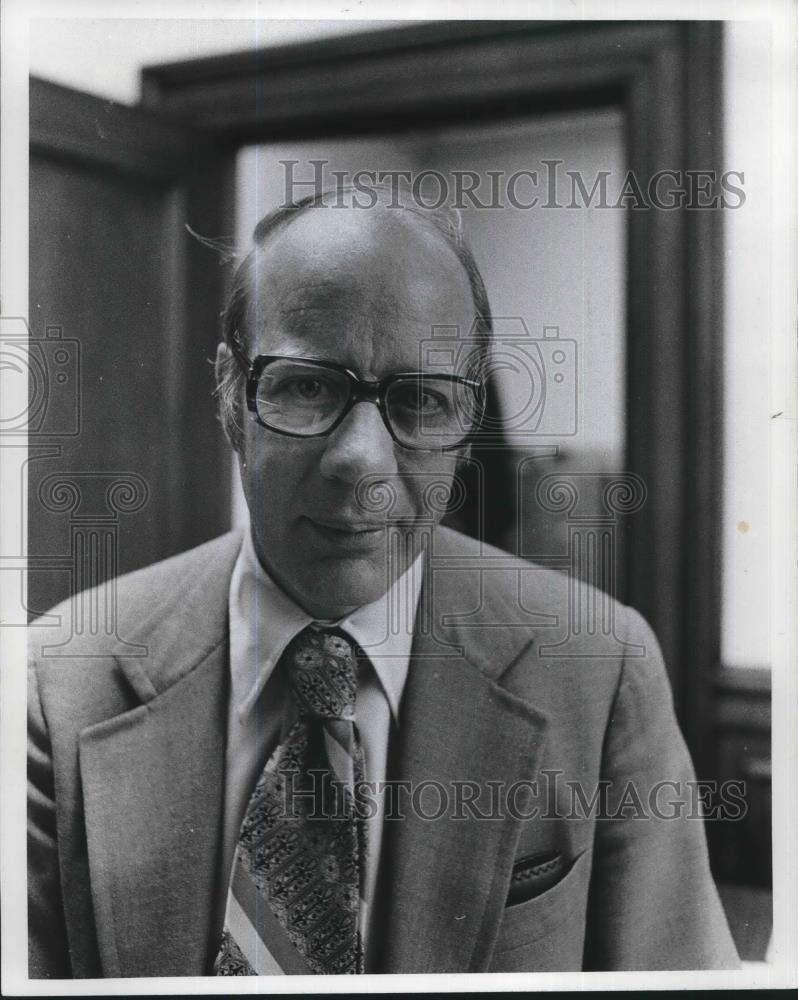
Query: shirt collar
{"points": [[264, 619]]}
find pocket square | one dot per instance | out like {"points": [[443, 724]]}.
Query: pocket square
{"points": [[532, 876]]}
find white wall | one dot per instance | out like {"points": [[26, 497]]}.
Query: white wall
{"points": [[104, 55], [748, 299]]}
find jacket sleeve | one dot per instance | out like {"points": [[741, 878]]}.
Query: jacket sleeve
{"points": [[653, 903], [48, 951]]}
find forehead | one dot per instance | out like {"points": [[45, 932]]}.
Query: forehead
{"points": [[363, 287]]}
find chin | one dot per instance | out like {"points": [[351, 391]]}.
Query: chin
{"points": [[340, 593]]}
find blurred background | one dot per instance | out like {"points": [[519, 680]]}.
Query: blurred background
{"points": [[140, 128]]}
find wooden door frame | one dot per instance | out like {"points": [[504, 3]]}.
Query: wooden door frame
{"points": [[665, 77]]}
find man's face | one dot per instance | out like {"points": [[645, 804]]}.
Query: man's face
{"points": [[363, 289]]}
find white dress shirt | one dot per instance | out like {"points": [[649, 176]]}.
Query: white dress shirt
{"points": [[263, 620]]}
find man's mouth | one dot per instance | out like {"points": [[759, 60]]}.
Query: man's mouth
{"points": [[346, 534]]}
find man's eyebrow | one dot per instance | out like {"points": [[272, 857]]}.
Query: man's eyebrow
{"points": [[293, 310], [322, 284]]}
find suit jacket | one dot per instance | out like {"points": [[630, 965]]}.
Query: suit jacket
{"points": [[126, 770]]}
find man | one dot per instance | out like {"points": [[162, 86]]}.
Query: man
{"points": [[347, 638]]}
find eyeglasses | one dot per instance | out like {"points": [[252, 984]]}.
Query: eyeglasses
{"points": [[304, 397]]}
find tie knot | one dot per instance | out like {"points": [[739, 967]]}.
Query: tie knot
{"points": [[322, 669]]}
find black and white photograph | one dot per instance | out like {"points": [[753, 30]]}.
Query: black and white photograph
{"points": [[398, 444]]}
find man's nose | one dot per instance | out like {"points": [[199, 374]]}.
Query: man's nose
{"points": [[360, 446]]}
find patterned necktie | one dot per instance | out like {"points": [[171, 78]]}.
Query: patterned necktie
{"points": [[295, 903]]}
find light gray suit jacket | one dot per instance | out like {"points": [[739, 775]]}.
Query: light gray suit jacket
{"points": [[127, 761]]}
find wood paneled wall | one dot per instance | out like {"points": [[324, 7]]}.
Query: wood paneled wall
{"points": [[124, 311]]}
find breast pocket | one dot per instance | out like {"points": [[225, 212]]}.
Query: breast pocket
{"points": [[546, 933]]}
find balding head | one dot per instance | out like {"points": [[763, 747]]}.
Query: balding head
{"points": [[401, 239]]}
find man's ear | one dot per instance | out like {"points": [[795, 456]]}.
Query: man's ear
{"points": [[227, 392], [462, 468], [223, 354], [463, 455]]}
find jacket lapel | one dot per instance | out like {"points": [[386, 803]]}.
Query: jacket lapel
{"points": [[153, 843], [445, 880]]}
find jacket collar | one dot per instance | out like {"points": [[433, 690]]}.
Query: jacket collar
{"points": [[153, 848], [187, 616]]}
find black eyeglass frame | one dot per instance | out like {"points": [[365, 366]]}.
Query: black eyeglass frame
{"points": [[360, 390]]}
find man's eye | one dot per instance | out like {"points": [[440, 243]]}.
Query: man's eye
{"points": [[429, 402], [420, 399], [303, 388], [307, 388]]}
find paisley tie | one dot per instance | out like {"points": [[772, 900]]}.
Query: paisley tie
{"points": [[295, 903]]}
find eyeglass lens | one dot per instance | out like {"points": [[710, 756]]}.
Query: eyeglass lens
{"points": [[304, 398]]}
